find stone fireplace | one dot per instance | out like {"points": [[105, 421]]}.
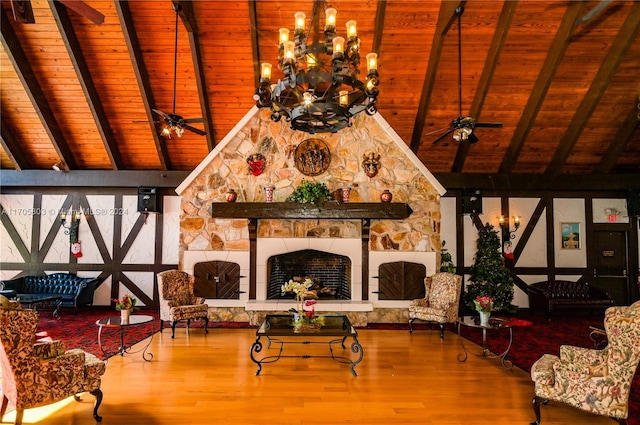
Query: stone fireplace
{"points": [[260, 246]]}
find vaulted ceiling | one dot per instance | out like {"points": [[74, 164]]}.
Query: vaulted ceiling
{"points": [[562, 76]]}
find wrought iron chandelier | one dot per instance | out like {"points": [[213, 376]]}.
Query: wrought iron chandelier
{"points": [[320, 91]]}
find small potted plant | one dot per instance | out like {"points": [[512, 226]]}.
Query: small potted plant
{"points": [[446, 261], [310, 193]]}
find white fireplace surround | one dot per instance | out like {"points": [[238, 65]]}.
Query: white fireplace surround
{"points": [[268, 247]]}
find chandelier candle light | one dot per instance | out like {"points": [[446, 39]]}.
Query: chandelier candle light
{"points": [[320, 90]]}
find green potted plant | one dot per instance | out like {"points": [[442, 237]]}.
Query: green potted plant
{"points": [[446, 261], [310, 193], [489, 275]]}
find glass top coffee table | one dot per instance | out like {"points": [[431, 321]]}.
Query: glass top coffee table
{"points": [[278, 329], [495, 324], [117, 322], [36, 301]]}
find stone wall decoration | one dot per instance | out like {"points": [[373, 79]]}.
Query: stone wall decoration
{"points": [[256, 162], [371, 164], [312, 157]]}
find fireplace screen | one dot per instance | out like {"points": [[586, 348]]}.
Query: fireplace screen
{"points": [[330, 273]]}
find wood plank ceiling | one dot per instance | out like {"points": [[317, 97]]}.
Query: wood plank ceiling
{"points": [[562, 76]]}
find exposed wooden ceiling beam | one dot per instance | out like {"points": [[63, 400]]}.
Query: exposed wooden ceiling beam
{"points": [[490, 64], [70, 40], [12, 147], [255, 42], [542, 84], [610, 64], [620, 141], [33, 89], [91, 178], [593, 12], [378, 27], [516, 183], [189, 20], [83, 9], [142, 76], [446, 17]]}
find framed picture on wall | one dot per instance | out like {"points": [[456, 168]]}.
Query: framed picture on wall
{"points": [[570, 233]]}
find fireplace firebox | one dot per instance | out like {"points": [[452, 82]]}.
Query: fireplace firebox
{"points": [[331, 273]]}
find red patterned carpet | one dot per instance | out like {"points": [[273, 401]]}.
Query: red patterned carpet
{"points": [[81, 331], [530, 340]]}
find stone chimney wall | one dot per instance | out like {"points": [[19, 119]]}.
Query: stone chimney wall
{"points": [[277, 143]]}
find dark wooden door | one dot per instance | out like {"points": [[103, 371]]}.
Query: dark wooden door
{"points": [[610, 269], [401, 280], [217, 279]]}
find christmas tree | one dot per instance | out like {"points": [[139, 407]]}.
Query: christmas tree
{"points": [[488, 273]]}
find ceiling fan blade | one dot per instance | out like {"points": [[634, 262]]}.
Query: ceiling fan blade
{"points": [[194, 120], [83, 9], [437, 131], [442, 136], [162, 114], [194, 130], [489, 124]]}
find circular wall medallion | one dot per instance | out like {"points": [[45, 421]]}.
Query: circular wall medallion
{"points": [[312, 157]]}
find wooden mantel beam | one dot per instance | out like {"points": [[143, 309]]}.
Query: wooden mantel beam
{"points": [[294, 210]]}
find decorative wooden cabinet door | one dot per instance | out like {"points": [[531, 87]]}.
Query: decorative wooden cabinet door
{"points": [[217, 279], [401, 280]]}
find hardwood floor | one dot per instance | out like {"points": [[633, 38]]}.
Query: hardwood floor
{"points": [[403, 379]]}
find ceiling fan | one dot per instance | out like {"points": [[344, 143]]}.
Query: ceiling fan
{"points": [[462, 127], [176, 123]]}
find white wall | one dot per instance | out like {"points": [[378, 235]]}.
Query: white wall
{"points": [[534, 254], [102, 213]]}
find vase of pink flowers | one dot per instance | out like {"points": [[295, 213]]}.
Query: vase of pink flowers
{"points": [[125, 306], [484, 306]]}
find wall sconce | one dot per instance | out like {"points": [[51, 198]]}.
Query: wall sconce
{"points": [[507, 233], [71, 221]]}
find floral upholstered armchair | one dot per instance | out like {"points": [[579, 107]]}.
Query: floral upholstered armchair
{"points": [[37, 374], [597, 381], [440, 303], [178, 302]]}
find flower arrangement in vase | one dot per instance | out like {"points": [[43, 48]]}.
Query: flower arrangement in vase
{"points": [[304, 315], [484, 306], [126, 303], [125, 306]]}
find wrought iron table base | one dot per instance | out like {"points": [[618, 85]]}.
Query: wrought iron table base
{"points": [[507, 364], [355, 348], [124, 349]]}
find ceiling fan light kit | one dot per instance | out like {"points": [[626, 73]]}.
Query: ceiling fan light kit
{"points": [[320, 91], [174, 123]]}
